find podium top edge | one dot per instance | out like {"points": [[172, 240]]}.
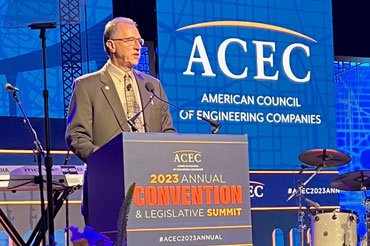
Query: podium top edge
{"points": [[156, 137]]}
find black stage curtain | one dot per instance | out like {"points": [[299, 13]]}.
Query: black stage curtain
{"points": [[350, 23], [143, 12]]}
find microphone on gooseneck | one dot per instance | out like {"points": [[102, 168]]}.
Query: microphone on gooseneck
{"points": [[67, 158], [149, 87], [10, 88], [131, 120], [214, 124]]}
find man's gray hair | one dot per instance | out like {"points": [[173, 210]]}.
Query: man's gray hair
{"points": [[111, 27]]}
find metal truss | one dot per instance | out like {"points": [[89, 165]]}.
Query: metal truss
{"points": [[70, 36]]}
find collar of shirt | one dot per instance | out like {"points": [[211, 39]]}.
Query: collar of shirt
{"points": [[117, 74]]}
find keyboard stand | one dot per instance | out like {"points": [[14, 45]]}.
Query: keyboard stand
{"points": [[35, 239]]}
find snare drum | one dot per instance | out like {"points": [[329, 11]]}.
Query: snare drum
{"points": [[336, 228]]}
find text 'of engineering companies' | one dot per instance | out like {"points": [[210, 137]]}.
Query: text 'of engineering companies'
{"points": [[258, 117]]}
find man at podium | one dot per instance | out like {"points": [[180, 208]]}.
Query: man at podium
{"points": [[104, 101]]}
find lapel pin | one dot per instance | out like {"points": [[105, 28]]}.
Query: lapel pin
{"points": [[106, 87]]}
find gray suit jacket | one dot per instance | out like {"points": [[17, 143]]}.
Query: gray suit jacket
{"points": [[96, 114]]}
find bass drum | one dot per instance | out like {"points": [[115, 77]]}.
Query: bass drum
{"points": [[336, 228]]}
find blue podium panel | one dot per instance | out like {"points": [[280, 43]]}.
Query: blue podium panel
{"points": [[190, 189]]}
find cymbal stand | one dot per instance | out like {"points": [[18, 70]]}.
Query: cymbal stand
{"points": [[301, 213], [366, 203]]}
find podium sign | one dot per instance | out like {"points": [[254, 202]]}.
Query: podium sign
{"points": [[190, 189]]}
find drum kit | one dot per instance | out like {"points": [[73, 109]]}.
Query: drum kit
{"points": [[338, 227]]}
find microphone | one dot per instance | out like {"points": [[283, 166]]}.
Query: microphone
{"points": [[214, 124], [10, 88], [312, 203], [67, 158], [128, 87], [132, 119], [149, 87]]}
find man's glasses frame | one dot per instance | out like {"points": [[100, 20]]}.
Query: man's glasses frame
{"points": [[130, 41]]}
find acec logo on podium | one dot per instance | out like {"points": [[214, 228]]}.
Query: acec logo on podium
{"points": [[187, 156]]}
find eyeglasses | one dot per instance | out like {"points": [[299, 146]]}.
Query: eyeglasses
{"points": [[130, 41]]}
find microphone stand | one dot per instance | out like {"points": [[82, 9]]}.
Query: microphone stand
{"points": [[215, 126], [48, 158], [132, 125], [131, 121], [66, 160], [40, 152]]}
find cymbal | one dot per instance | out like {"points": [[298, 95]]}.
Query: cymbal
{"points": [[353, 181], [324, 158]]}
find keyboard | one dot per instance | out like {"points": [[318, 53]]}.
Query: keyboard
{"points": [[25, 178]]}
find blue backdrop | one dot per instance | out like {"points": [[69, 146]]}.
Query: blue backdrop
{"points": [[240, 59], [256, 36], [21, 57]]}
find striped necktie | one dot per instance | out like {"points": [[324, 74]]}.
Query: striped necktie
{"points": [[131, 103]]}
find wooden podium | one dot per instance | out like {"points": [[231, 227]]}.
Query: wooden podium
{"points": [[190, 189]]}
